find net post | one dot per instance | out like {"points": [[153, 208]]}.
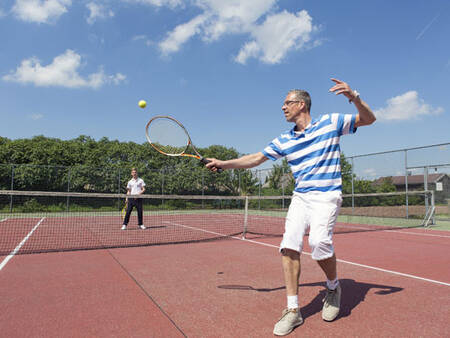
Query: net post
{"points": [[244, 232], [433, 221], [429, 218]]}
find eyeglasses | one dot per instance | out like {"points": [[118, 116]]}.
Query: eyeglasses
{"points": [[288, 103]]}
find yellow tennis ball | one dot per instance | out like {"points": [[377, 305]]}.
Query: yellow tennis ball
{"points": [[142, 104]]}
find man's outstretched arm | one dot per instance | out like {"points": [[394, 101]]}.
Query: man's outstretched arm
{"points": [[244, 162]]}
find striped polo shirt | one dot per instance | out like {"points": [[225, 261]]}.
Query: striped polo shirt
{"points": [[314, 154]]}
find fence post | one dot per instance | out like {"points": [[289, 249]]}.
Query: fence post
{"points": [[433, 219], [425, 185], [353, 190], [162, 181], [118, 190], [406, 181], [244, 232], [282, 187], [259, 189], [12, 188], [118, 183], [448, 206], [68, 189], [239, 182], [239, 186], [203, 189]]}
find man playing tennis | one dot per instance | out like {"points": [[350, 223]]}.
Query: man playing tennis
{"points": [[135, 186], [313, 153]]}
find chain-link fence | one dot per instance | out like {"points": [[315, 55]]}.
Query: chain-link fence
{"points": [[411, 169], [173, 180], [404, 170]]}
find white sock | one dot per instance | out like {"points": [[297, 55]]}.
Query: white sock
{"points": [[332, 284], [292, 302]]}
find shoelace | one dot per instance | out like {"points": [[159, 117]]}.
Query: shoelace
{"points": [[330, 297], [286, 311]]}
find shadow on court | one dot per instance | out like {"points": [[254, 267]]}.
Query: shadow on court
{"points": [[353, 293], [149, 227]]}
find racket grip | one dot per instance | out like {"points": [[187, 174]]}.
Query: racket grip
{"points": [[204, 161]]}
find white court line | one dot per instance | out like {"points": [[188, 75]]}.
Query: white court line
{"points": [[391, 230], [307, 253], [416, 233], [349, 226], [394, 272], [4, 219], [221, 235], [11, 255]]}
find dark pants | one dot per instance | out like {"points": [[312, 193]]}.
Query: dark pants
{"points": [[134, 202]]}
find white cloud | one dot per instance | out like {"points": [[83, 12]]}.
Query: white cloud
{"points": [[407, 106], [370, 172], [181, 34], [144, 38], [232, 16], [40, 11], [159, 3], [279, 34], [62, 72], [117, 78], [98, 11], [36, 116], [270, 40], [218, 18]]}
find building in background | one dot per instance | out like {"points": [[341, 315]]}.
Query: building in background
{"points": [[439, 183]]}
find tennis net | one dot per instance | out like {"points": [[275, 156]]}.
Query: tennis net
{"points": [[33, 222]]}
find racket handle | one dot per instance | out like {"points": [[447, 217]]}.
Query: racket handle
{"points": [[204, 161]]}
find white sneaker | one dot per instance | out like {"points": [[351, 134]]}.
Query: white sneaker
{"points": [[124, 227], [290, 319], [331, 304], [142, 226]]}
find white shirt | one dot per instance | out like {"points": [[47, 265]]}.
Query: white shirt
{"points": [[135, 186]]}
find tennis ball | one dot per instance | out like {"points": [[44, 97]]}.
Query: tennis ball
{"points": [[142, 104]]}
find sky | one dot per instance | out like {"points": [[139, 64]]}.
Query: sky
{"points": [[223, 68]]}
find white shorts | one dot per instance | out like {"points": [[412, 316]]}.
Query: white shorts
{"points": [[317, 211]]}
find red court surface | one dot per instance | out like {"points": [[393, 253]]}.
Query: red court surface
{"points": [[395, 284]]}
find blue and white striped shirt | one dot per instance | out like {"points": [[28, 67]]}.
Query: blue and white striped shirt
{"points": [[314, 154]]}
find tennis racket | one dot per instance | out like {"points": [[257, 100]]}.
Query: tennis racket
{"points": [[123, 212], [169, 137]]}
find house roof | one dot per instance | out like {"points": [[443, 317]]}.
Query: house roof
{"points": [[412, 179]]}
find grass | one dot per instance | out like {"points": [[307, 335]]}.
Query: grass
{"points": [[442, 220]]}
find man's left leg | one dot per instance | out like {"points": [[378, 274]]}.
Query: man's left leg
{"points": [[140, 213], [332, 301], [325, 211], [329, 267]]}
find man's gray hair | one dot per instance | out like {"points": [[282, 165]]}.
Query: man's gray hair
{"points": [[302, 95]]}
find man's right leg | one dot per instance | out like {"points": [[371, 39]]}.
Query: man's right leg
{"points": [[291, 268], [127, 215], [291, 247], [291, 316]]}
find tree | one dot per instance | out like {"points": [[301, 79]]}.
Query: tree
{"points": [[280, 175], [86, 165]]}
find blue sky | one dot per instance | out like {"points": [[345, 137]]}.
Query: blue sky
{"points": [[223, 68]]}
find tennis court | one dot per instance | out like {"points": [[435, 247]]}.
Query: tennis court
{"points": [[191, 273]]}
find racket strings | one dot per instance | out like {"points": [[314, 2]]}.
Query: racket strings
{"points": [[167, 136]]}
